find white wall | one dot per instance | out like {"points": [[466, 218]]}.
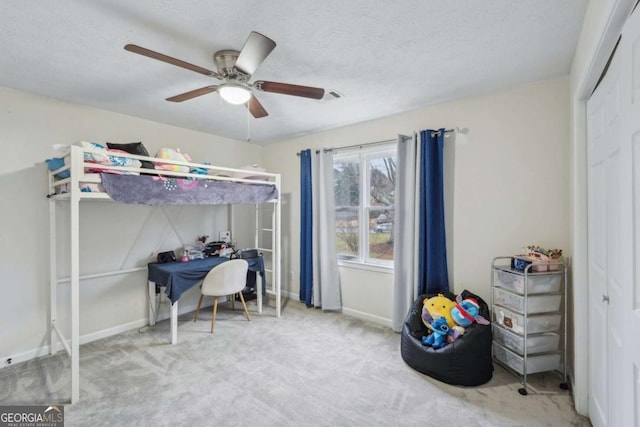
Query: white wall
{"points": [[113, 236], [508, 181]]}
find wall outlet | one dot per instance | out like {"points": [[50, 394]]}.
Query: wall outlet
{"points": [[225, 236]]}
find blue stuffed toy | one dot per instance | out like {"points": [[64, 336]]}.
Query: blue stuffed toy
{"points": [[439, 331], [467, 311]]}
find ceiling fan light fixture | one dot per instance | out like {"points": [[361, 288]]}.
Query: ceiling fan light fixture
{"points": [[234, 70], [234, 93]]}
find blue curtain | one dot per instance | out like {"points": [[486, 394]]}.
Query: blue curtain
{"points": [[432, 271], [306, 229]]}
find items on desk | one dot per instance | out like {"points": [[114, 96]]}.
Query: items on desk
{"points": [[226, 252], [247, 253], [199, 250], [213, 248], [164, 257], [193, 251], [177, 277]]}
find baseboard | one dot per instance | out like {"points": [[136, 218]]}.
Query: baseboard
{"points": [[94, 336], [84, 339], [290, 295], [367, 316], [348, 311], [9, 360]]}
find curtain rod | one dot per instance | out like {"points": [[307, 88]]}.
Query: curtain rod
{"points": [[346, 147], [386, 141]]}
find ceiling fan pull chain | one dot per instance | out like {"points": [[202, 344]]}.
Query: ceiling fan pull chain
{"points": [[248, 124]]}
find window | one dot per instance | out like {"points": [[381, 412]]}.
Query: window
{"points": [[364, 192]]}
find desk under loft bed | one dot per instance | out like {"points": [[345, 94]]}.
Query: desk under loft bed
{"points": [[81, 181]]}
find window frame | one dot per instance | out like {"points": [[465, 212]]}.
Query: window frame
{"points": [[363, 155]]}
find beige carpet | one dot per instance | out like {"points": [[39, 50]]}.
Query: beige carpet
{"points": [[306, 368]]}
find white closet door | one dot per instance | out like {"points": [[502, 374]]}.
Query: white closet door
{"points": [[602, 157], [631, 223], [612, 154]]}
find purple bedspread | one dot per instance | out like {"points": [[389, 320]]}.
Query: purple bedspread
{"points": [[154, 190]]}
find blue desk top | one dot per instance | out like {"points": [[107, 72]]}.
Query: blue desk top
{"points": [[178, 277]]}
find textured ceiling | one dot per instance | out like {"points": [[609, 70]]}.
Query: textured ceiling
{"points": [[385, 57]]}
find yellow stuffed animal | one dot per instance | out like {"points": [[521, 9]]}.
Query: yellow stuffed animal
{"points": [[438, 306]]}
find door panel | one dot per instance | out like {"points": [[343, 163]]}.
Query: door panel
{"points": [[613, 161], [634, 320], [598, 313], [630, 198], [631, 188], [606, 340], [616, 341]]}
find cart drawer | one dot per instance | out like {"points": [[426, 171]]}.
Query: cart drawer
{"points": [[535, 303], [535, 343], [536, 283], [536, 323], [540, 363]]}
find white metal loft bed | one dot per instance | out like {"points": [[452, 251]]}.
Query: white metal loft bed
{"points": [[77, 165]]}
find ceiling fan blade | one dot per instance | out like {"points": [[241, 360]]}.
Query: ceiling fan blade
{"points": [[255, 108], [168, 59], [193, 93], [255, 50], [289, 89]]}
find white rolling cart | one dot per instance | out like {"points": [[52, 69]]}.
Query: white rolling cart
{"points": [[529, 319]]}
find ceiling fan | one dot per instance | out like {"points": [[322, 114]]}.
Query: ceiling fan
{"points": [[235, 69]]}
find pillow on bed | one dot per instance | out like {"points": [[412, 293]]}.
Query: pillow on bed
{"points": [[93, 157], [175, 155], [56, 163], [250, 173], [108, 159], [136, 148]]}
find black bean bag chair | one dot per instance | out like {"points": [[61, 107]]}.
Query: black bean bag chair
{"points": [[466, 361]]}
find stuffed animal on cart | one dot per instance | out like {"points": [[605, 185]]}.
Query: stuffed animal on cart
{"points": [[439, 332], [435, 307]]}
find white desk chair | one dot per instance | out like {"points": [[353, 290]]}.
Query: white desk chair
{"points": [[228, 278]]}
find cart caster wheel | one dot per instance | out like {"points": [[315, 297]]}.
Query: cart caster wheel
{"points": [[522, 391], [564, 386]]}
